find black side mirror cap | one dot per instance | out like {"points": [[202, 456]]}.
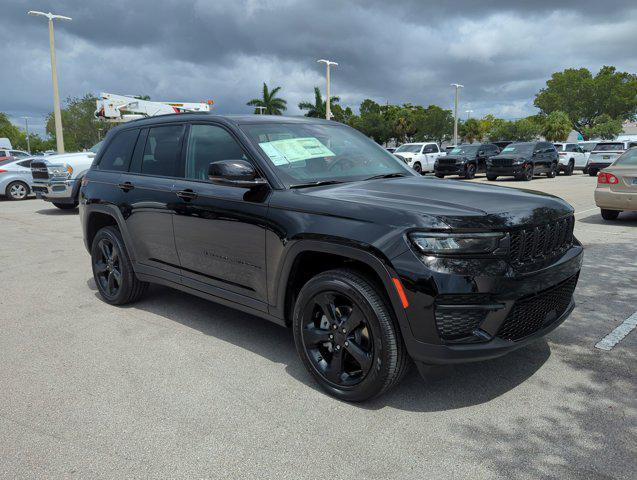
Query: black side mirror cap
{"points": [[235, 173]]}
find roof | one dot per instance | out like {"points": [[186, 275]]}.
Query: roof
{"points": [[228, 119]]}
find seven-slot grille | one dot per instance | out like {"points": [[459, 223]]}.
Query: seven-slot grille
{"points": [[544, 241], [447, 161], [39, 170], [534, 312], [502, 162]]}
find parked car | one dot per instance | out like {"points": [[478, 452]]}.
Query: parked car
{"points": [[571, 157], [617, 186], [501, 144], [523, 160], [448, 148], [390, 149], [57, 178], [15, 178], [603, 155], [6, 154], [420, 156], [465, 160], [310, 224]]}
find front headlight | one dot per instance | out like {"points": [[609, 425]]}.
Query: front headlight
{"points": [[456, 243], [61, 170]]}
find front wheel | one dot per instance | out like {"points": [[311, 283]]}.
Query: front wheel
{"points": [[553, 171], [491, 178], [527, 173], [470, 171], [346, 337], [609, 214], [65, 206], [17, 191], [112, 269], [418, 167], [440, 175]]}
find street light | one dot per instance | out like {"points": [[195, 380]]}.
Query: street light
{"points": [[468, 112], [260, 110], [26, 124], [455, 113], [56, 94], [328, 63]]}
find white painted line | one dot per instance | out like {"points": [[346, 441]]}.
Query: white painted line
{"points": [[617, 335], [584, 211]]}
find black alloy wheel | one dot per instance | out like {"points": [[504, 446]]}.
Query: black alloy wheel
{"points": [[527, 173], [470, 171], [107, 268], [417, 167], [553, 171]]}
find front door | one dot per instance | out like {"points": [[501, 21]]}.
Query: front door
{"points": [[220, 230]]}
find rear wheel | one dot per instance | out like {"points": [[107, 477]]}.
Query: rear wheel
{"points": [[609, 214], [553, 171], [470, 171], [17, 191], [418, 167], [112, 269], [491, 178], [66, 206], [346, 336], [592, 172], [570, 168]]}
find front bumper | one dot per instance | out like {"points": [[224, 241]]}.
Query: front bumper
{"points": [[507, 296], [456, 169], [513, 170], [609, 200], [58, 191]]}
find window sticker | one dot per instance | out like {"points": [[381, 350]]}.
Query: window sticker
{"points": [[508, 149], [295, 150]]}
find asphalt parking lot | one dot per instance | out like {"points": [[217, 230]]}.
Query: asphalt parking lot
{"points": [[178, 387]]}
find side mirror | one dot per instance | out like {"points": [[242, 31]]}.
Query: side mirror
{"points": [[234, 173]]}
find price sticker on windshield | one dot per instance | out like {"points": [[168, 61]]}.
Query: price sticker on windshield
{"points": [[293, 150]]}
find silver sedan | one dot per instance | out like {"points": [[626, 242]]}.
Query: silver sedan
{"points": [[15, 178]]}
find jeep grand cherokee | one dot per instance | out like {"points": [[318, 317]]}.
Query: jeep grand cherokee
{"points": [[311, 225]]}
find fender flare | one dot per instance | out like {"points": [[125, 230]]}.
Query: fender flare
{"points": [[116, 214]]}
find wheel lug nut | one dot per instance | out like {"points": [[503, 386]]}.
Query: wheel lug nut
{"points": [[338, 347], [331, 336], [344, 331], [333, 327], [347, 344]]}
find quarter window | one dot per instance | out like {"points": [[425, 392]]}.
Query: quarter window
{"points": [[118, 152], [206, 144], [163, 148], [25, 163]]}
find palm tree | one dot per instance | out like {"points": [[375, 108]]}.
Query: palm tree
{"points": [[317, 109], [272, 104]]}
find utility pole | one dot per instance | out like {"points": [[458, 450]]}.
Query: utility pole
{"points": [[26, 124], [328, 63], [455, 113], [261, 109], [468, 112], [57, 114]]}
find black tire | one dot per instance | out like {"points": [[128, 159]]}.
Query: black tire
{"points": [[570, 168], [609, 214], [592, 172], [17, 191], [585, 170], [552, 172], [440, 175], [66, 206], [112, 269], [417, 167], [375, 339], [527, 173], [491, 178], [470, 171]]}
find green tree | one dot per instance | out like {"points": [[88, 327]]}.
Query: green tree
{"points": [[273, 104], [556, 126], [471, 130], [584, 97], [433, 123], [605, 127], [10, 131], [317, 109], [372, 121], [525, 130], [81, 129]]}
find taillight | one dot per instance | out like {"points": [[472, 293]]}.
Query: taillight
{"points": [[3, 171], [607, 178]]}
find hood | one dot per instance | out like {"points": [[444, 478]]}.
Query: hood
{"points": [[406, 154], [511, 156], [64, 157], [457, 157], [407, 201]]}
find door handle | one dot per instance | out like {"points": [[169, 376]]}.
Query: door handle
{"points": [[126, 186], [186, 195]]}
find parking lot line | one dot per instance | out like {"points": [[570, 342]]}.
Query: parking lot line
{"points": [[618, 334]]}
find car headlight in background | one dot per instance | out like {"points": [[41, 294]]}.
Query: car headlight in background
{"points": [[458, 243]]}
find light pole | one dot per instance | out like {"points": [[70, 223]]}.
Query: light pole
{"points": [[260, 110], [455, 113], [26, 124], [59, 138], [468, 112], [328, 63]]}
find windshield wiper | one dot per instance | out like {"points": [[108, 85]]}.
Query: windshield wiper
{"points": [[387, 175], [316, 184]]}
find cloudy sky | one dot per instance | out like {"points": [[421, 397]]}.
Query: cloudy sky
{"points": [[390, 51]]}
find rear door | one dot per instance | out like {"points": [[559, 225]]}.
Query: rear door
{"points": [[220, 230]]}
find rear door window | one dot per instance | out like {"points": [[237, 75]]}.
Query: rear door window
{"points": [[163, 151], [119, 151]]}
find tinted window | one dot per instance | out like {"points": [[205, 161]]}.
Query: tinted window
{"points": [[430, 149], [409, 147], [161, 155], [25, 163], [206, 144], [608, 146], [118, 152]]}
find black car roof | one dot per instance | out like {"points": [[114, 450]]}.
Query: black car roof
{"points": [[227, 119]]}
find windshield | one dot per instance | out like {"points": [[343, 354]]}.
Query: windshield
{"points": [[306, 153], [409, 147], [465, 150], [608, 146], [95, 148], [629, 158], [518, 149], [588, 147]]}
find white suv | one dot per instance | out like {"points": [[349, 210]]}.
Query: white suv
{"points": [[572, 157], [420, 156]]}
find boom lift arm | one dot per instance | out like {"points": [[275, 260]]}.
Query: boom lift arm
{"points": [[123, 108]]}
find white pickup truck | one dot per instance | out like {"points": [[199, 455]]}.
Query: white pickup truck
{"points": [[420, 156], [571, 157], [57, 178]]}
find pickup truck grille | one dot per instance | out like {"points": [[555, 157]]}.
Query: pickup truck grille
{"points": [[39, 170], [544, 241], [502, 162]]}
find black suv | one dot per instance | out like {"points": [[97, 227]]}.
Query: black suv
{"points": [[311, 225], [523, 160], [465, 160]]}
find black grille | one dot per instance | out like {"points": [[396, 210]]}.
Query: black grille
{"points": [[39, 170], [456, 323], [535, 243], [446, 161], [502, 162], [530, 314]]}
